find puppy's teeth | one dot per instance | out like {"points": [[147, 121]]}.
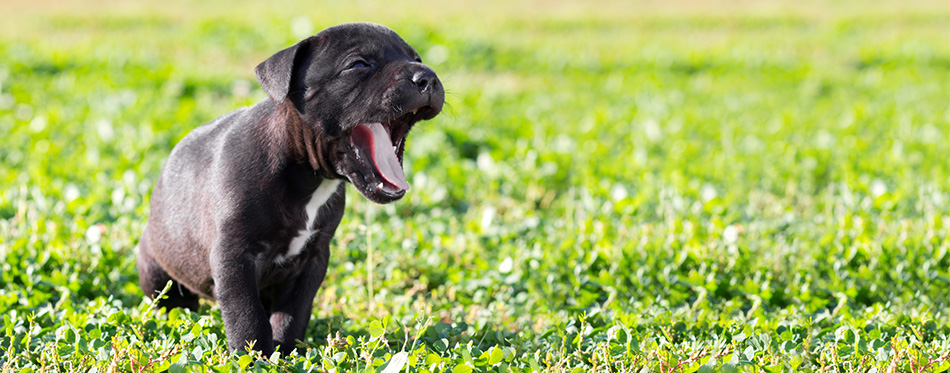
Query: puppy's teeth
{"points": [[380, 185], [413, 112]]}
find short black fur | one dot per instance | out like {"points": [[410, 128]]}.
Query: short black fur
{"points": [[233, 194]]}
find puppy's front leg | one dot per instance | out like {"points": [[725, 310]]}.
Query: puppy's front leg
{"points": [[236, 291], [293, 303]]}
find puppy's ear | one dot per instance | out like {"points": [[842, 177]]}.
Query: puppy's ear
{"points": [[277, 72]]}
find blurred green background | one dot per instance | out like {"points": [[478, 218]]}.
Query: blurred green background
{"points": [[612, 185]]}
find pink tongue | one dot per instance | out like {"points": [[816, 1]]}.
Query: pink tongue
{"points": [[373, 139]]}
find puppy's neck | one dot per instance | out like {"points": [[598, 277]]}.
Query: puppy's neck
{"points": [[289, 140]]}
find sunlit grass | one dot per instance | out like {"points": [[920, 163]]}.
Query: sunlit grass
{"points": [[676, 187]]}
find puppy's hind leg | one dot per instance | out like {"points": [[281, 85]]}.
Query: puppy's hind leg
{"points": [[153, 279]]}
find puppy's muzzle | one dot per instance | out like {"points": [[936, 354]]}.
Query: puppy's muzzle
{"points": [[376, 145], [431, 88]]}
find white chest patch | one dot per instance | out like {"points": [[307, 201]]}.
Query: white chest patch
{"points": [[326, 189]]}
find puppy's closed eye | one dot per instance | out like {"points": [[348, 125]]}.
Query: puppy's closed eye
{"points": [[359, 64]]}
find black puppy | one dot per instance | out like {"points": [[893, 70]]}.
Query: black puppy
{"points": [[246, 205]]}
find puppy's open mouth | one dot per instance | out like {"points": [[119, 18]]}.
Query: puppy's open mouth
{"points": [[379, 146]]}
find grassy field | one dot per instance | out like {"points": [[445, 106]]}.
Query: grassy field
{"points": [[620, 186]]}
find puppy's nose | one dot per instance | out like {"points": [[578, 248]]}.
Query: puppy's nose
{"points": [[423, 79]]}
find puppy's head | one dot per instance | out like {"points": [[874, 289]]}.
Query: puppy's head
{"points": [[358, 89]]}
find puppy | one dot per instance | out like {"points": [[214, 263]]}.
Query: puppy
{"points": [[246, 205]]}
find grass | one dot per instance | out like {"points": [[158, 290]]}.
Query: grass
{"points": [[695, 187]]}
